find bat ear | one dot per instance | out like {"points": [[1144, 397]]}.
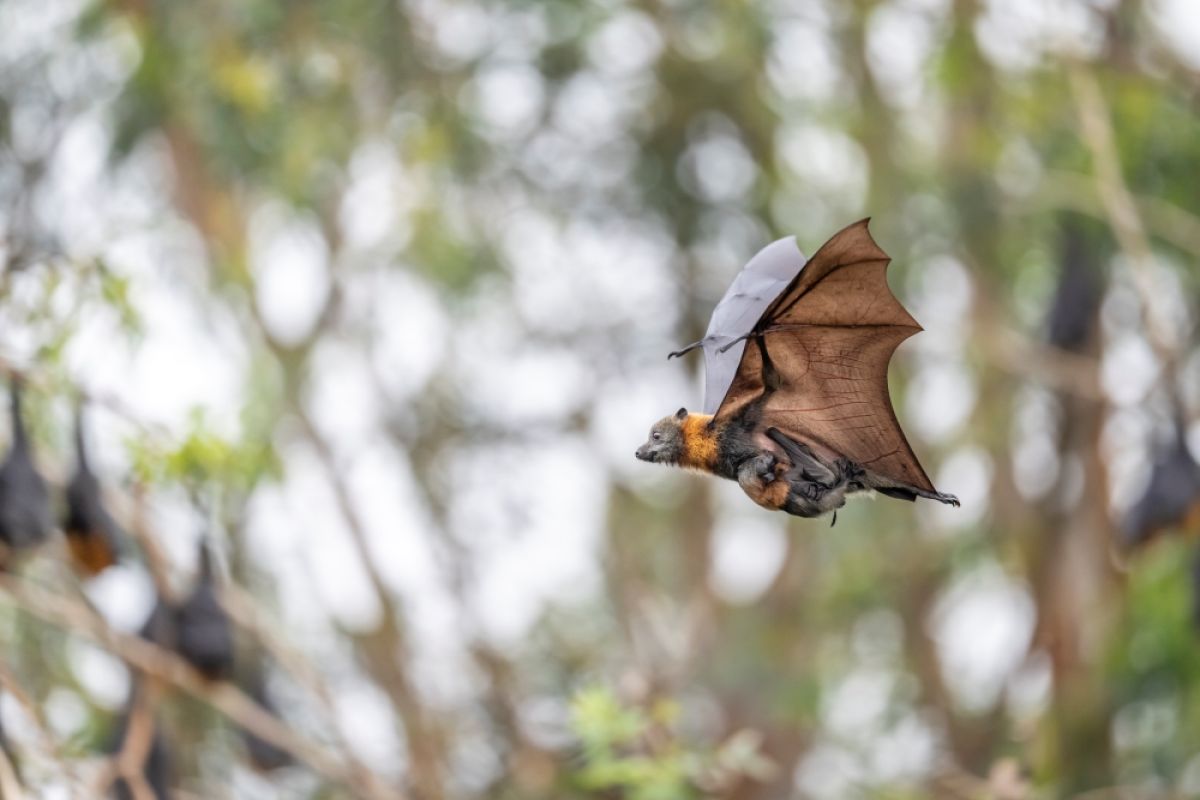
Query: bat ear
{"points": [[681, 413]]}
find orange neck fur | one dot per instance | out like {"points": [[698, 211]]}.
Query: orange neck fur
{"points": [[699, 442]]}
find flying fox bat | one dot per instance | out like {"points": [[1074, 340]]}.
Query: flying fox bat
{"points": [[1171, 498], [204, 634], [25, 519], [796, 404], [94, 537]]}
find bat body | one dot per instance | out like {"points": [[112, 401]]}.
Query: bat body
{"points": [[734, 449], [204, 634], [197, 628], [25, 518], [159, 627], [797, 409], [1171, 498], [93, 537]]}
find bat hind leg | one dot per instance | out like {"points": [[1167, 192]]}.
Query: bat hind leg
{"points": [[815, 487], [911, 493], [948, 499], [804, 504]]}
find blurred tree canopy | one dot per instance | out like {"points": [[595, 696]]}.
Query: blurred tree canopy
{"points": [[371, 299]]}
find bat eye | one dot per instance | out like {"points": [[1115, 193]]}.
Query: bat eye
{"points": [[656, 436]]}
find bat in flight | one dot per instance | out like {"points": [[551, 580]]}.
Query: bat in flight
{"points": [[796, 404]]}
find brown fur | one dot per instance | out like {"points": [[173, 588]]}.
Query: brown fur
{"points": [[1191, 522], [694, 441], [92, 553], [771, 495], [699, 443]]}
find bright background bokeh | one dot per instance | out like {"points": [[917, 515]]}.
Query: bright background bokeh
{"points": [[378, 294]]}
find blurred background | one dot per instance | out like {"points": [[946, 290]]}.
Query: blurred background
{"points": [[371, 302]]}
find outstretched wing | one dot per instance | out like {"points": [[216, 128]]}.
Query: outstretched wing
{"points": [[815, 366], [755, 287]]}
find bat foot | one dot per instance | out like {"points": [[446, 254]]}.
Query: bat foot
{"points": [[812, 490], [767, 467]]}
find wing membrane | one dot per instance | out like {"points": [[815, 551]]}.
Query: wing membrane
{"points": [[817, 365], [758, 284]]}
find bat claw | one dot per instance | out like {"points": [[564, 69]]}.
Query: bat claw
{"points": [[725, 348], [684, 351], [949, 500], [766, 467]]}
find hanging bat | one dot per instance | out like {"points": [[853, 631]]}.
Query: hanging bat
{"points": [[160, 627], [1171, 498], [1074, 316], [25, 518], [796, 404], [203, 632], [93, 537]]}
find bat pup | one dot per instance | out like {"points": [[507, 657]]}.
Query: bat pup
{"points": [[796, 405]]}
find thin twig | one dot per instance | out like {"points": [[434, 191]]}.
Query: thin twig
{"points": [[10, 787], [1096, 121], [1072, 191], [129, 762], [43, 380], [1060, 369], [390, 663], [243, 610], [32, 709], [156, 560], [163, 665]]}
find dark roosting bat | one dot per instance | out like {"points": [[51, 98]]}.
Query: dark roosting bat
{"points": [[796, 404], [25, 518], [93, 536]]}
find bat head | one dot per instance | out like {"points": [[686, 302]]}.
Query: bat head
{"points": [[665, 444]]}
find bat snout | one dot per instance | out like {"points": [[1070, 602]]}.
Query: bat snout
{"points": [[644, 453]]}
